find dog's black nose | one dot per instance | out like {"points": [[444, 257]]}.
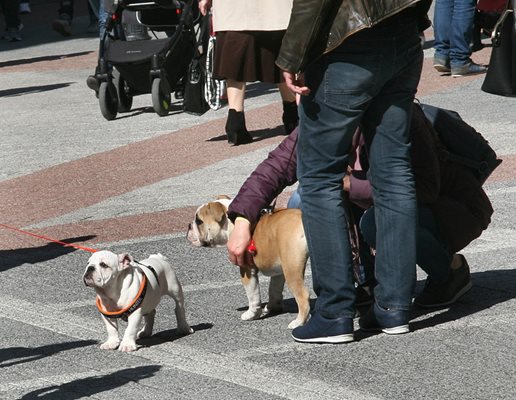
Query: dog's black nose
{"points": [[91, 268]]}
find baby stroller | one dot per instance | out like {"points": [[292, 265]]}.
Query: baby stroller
{"points": [[157, 66]]}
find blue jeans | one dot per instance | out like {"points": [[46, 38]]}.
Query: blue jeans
{"points": [[453, 29], [433, 255], [370, 79], [103, 16], [295, 200]]}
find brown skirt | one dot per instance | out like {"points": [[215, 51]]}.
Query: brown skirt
{"points": [[248, 56]]}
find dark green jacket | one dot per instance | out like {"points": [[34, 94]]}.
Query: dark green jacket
{"points": [[319, 26]]}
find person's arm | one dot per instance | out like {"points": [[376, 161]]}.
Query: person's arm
{"points": [[268, 180], [307, 33], [204, 6]]}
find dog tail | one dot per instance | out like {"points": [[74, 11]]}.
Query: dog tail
{"points": [[160, 256]]}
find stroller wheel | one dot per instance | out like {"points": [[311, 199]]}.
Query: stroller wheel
{"points": [[125, 99], [108, 100], [161, 96]]}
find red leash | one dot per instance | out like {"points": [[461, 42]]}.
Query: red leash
{"points": [[49, 239]]}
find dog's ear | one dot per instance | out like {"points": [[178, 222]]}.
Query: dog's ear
{"points": [[223, 196], [124, 261], [218, 211]]}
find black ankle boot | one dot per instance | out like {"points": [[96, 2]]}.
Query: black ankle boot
{"points": [[235, 128], [290, 118]]}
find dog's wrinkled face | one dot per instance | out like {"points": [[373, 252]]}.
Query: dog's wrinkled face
{"points": [[103, 267], [210, 226]]}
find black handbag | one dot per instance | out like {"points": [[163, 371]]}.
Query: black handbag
{"points": [[501, 75], [194, 100]]}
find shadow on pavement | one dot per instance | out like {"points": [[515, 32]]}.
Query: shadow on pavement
{"points": [[20, 355], [489, 289], [86, 387], [34, 255], [26, 61], [258, 135], [169, 335], [32, 89]]}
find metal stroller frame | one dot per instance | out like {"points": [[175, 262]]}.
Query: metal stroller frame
{"points": [[126, 69]]}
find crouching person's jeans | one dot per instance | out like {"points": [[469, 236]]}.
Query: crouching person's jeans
{"points": [[370, 79], [432, 253]]}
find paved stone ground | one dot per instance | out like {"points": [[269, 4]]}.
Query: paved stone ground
{"points": [[132, 184]]}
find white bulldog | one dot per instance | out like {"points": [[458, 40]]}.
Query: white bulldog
{"points": [[281, 253], [132, 291]]}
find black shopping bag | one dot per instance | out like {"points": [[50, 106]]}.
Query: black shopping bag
{"points": [[194, 101], [501, 75]]}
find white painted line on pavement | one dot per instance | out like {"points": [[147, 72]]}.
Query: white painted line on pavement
{"points": [[53, 319], [186, 288], [226, 368], [249, 374]]}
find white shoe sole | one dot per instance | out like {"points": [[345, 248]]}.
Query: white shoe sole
{"points": [[468, 74], [397, 330], [348, 337]]}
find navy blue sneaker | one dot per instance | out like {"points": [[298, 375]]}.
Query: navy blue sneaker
{"points": [[319, 329], [437, 294], [392, 322]]}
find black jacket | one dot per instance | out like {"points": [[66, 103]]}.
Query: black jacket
{"points": [[319, 26]]}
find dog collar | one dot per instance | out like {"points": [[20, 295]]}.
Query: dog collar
{"points": [[125, 312]]}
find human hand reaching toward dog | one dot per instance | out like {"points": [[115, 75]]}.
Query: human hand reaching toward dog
{"points": [[238, 242]]}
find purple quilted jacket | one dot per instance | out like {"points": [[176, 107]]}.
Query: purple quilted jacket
{"points": [[456, 198]]}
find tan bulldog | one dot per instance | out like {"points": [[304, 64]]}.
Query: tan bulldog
{"points": [[281, 252]]}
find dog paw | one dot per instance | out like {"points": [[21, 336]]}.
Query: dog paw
{"points": [[127, 347], [295, 324], [110, 345], [251, 314]]}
